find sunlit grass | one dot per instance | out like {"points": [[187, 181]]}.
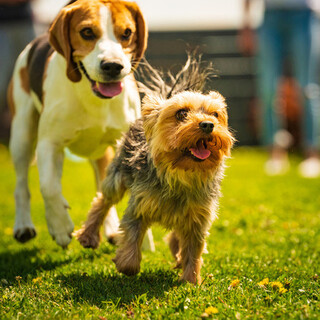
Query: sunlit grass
{"points": [[263, 260]]}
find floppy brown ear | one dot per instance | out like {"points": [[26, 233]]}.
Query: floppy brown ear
{"points": [[59, 37], [142, 33], [150, 110]]}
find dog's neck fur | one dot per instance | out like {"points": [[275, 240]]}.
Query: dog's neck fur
{"points": [[185, 178], [192, 183]]}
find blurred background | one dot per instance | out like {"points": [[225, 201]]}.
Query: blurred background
{"points": [[226, 33]]}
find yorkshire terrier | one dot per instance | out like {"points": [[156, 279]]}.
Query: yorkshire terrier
{"points": [[172, 162]]}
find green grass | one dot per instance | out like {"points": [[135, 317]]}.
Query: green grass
{"points": [[268, 227]]}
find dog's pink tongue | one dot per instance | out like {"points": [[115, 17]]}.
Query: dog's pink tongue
{"points": [[200, 151], [111, 89]]}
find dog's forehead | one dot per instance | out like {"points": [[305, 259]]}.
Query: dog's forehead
{"points": [[196, 101], [107, 19], [86, 15], [121, 14], [90, 13]]}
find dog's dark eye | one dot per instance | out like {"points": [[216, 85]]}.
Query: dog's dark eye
{"points": [[126, 34], [216, 114], [181, 114], [87, 34]]}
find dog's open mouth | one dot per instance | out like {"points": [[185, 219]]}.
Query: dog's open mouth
{"points": [[105, 90], [200, 152]]}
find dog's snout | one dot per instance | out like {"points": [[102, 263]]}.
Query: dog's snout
{"points": [[112, 69], [206, 126]]}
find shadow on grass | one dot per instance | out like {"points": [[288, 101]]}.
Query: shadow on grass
{"points": [[101, 289], [26, 262]]}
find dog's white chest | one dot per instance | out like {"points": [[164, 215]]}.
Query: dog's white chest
{"points": [[92, 142], [95, 131]]}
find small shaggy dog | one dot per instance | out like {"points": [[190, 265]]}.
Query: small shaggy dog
{"points": [[172, 162]]}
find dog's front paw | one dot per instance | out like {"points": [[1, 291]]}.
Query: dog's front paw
{"points": [[60, 227], [190, 277], [63, 239], [87, 239], [126, 267], [24, 234]]}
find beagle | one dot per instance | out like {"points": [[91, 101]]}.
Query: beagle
{"points": [[73, 88]]}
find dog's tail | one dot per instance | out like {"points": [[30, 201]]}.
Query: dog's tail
{"points": [[192, 77]]}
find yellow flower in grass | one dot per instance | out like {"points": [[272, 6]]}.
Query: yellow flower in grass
{"points": [[276, 285], [234, 283], [211, 310], [282, 290], [264, 282], [37, 280]]}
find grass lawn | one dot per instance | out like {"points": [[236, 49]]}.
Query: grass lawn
{"points": [[268, 228]]}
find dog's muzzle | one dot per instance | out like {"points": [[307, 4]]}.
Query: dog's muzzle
{"points": [[109, 89]]}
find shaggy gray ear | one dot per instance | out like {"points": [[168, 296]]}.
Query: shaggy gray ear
{"points": [[150, 110]]}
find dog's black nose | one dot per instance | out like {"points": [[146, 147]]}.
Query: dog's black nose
{"points": [[206, 126], [112, 69]]}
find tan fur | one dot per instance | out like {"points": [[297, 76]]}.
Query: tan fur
{"points": [[24, 77], [136, 45], [162, 127], [175, 248], [10, 98], [98, 212], [103, 162], [128, 256]]}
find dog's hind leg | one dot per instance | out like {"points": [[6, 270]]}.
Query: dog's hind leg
{"points": [[111, 222], [22, 143], [174, 245]]}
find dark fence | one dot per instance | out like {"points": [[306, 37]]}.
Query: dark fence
{"points": [[235, 73]]}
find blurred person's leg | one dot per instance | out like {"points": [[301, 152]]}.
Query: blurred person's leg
{"points": [[6, 67], [272, 43], [14, 36], [315, 77], [304, 63]]}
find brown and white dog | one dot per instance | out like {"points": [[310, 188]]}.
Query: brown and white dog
{"points": [[73, 88]]}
